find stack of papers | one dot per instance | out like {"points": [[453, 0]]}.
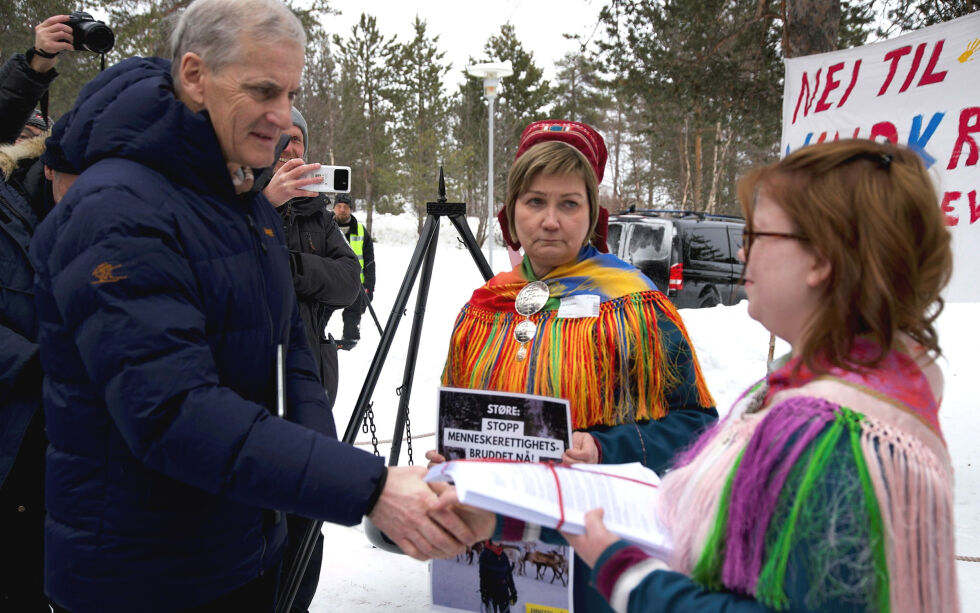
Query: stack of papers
{"points": [[549, 495]]}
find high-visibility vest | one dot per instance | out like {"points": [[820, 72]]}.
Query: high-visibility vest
{"points": [[357, 245]]}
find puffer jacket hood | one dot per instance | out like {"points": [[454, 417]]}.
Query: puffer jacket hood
{"points": [[128, 111]]}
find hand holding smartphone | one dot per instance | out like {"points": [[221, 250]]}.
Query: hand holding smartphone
{"points": [[333, 179]]}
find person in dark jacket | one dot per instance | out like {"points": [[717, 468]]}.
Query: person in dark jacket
{"points": [[25, 77], [164, 298], [25, 199], [360, 241], [22, 441], [326, 275], [497, 590]]}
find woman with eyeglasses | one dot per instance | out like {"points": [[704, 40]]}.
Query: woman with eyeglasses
{"points": [[828, 487], [573, 322]]}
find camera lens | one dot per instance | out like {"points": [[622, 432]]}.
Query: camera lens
{"points": [[97, 37], [89, 34], [341, 179]]}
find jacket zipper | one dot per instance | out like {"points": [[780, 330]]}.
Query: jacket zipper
{"points": [[265, 286]]}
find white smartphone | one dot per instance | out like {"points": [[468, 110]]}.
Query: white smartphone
{"points": [[332, 179]]}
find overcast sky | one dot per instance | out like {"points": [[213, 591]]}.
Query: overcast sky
{"points": [[464, 27]]}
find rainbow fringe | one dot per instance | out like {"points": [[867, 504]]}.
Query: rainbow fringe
{"points": [[613, 369]]}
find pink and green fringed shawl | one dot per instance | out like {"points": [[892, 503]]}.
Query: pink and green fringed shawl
{"points": [[838, 490]]}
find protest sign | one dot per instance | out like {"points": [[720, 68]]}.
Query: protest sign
{"points": [[921, 90], [506, 575]]}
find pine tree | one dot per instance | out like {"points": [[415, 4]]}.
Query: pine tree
{"points": [[421, 110], [466, 163], [363, 137], [908, 15], [578, 93]]}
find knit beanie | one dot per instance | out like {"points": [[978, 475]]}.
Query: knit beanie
{"points": [[300, 123], [54, 155], [38, 120], [346, 199]]}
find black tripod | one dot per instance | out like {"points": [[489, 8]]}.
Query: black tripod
{"points": [[423, 257]]}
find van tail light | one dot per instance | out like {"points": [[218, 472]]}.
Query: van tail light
{"points": [[676, 280]]}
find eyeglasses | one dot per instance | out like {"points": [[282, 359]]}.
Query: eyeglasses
{"points": [[749, 236], [529, 301]]}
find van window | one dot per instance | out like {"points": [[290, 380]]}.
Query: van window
{"points": [[615, 232], [647, 242], [649, 246], [735, 238], [709, 245]]}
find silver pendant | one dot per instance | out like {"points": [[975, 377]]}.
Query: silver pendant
{"points": [[531, 298], [521, 353], [525, 331]]}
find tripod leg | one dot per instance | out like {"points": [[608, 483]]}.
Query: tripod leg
{"points": [[293, 570], [470, 241], [429, 230], [374, 315], [413, 349]]}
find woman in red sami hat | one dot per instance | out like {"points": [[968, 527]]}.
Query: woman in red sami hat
{"points": [[573, 322]]}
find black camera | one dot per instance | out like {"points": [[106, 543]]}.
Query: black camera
{"points": [[89, 34]]}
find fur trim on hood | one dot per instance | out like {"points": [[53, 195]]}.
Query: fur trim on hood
{"points": [[28, 149]]}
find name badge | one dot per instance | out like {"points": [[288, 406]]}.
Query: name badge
{"points": [[576, 307]]}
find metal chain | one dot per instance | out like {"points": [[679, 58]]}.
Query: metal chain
{"points": [[408, 428], [369, 419], [408, 437]]}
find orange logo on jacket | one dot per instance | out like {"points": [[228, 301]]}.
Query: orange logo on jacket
{"points": [[103, 273], [269, 231]]}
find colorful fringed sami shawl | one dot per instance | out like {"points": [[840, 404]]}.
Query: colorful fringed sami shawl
{"points": [[840, 487], [613, 369]]}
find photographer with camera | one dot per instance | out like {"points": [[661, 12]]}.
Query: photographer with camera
{"points": [[25, 77], [324, 268]]}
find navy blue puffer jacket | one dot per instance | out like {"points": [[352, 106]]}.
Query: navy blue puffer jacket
{"points": [[161, 298]]}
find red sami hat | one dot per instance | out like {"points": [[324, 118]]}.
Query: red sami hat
{"points": [[589, 143], [579, 135]]}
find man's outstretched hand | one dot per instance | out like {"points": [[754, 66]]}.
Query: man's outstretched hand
{"points": [[403, 514], [482, 523]]}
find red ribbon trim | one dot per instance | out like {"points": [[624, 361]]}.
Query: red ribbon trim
{"points": [[551, 466], [561, 502]]}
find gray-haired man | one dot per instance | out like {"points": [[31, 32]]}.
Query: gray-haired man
{"points": [[163, 292]]}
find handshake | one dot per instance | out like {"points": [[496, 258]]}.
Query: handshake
{"points": [[441, 527], [425, 519]]}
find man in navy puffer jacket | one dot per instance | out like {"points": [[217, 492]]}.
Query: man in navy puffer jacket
{"points": [[163, 290]]}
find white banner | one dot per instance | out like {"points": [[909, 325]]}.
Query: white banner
{"points": [[921, 90]]}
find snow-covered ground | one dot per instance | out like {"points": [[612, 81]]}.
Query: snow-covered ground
{"points": [[732, 349]]}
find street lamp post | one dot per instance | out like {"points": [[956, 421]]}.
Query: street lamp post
{"points": [[491, 73]]}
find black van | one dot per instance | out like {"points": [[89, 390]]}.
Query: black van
{"points": [[690, 256]]}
